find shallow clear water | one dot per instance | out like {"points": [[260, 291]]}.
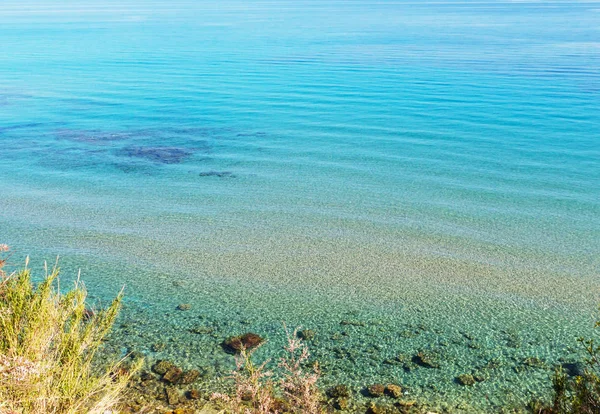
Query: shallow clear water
{"points": [[398, 176]]}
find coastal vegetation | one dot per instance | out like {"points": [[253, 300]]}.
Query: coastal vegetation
{"points": [[256, 392], [48, 346], [579, 394], [50, 343]]}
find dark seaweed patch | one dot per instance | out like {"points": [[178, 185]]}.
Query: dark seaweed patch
{"points": [[163, 155], [220, 174]]}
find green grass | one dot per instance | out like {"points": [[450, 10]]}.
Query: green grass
{"points": [[48, 348]]}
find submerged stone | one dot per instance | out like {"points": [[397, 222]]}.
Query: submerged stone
{"points": [[189, 377], [341, 404], [465, 379], [161, 367], [574, 369], [184, 307], [193, 394], [173, 375], [307, 334], [235, 344], [338, 391], [393, 390], [426, 360], [373, 408], [375, 390], [173, 395]]}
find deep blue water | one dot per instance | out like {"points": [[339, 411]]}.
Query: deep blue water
{"points": [[429, 169]]}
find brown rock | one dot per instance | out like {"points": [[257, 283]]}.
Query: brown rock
{"points": [[426, 360], [235, 344], [161, 367], [173, 375], [184, 307], [393, 390], [193, 394], [173, 396], [465, 379], [373, 408], [341, 404], [307, 334], [339, 391], [189, 377], [375, 390], [182, 411], [146, 376]]}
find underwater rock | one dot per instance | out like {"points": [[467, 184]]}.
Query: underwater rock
{"points": [[189, 377], [574, 369], [406, 404], [341, 404], [173, 375], [173, 396], [235, 344], [338, 391], [161, 367], [393, 390], [184, 307], [307, 334], [375, 390], [146, 376], [220, 174], [426, 360], [162, 155], [373, 408], [193, 394], [158, 347], [465, 379]]}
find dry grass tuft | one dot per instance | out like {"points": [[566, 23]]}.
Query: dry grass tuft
{"points": [[48, 344], [299, 386], [256, 392]]}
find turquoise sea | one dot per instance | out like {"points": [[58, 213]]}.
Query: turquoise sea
{"points": [[398, 176]]}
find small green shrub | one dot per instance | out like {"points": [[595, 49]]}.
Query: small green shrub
{"points": [[48, 345], [581, 394]]}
